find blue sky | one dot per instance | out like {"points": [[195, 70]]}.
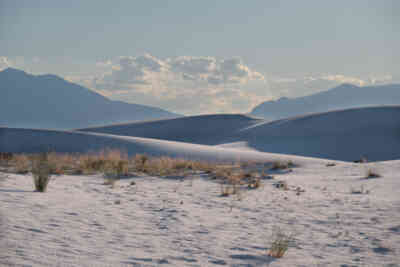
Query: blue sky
{"points": [[212, 56]]}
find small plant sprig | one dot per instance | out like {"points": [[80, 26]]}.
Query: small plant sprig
{"points": [[280, 243]]}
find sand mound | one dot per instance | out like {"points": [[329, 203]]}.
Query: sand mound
{"points": [[204, 129], [372, 132], [33, 141]]}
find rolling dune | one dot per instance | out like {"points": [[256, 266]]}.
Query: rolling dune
{"points": [[372, 132]]}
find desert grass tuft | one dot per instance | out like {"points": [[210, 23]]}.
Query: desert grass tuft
{"points": [[280, 243], [282, 165], [21, 163], [41, 172], [140, 161]]}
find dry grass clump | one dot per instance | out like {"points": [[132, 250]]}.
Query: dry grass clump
{"points": [[162, 166], [280, 243], [116, 168], [89, 164], [140, 161], [372, 174], [112, 162], [232, 181], [230, 186], [204, 166], [281, 165], [41, 171], [22, 163], [5, 158]]}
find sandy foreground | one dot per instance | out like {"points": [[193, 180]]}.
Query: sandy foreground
{"points": [[183, 221]]}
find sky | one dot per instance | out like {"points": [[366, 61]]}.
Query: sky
{"points": [[201, 57]]}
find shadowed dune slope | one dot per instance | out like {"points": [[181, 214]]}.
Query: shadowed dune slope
{"points": [[346, 135], [204, 129], [17, 140], [373, 132]]}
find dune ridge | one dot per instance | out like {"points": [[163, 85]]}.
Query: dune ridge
{"points": [[348, 134]]}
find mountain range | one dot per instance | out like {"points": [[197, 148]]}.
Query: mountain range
{"points": [[48, 101], [341, 97]]}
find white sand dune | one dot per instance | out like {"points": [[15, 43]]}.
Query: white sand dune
{"points": [[372, 132], [203, 129], [185, 222], [169, 222], [17, 140]]}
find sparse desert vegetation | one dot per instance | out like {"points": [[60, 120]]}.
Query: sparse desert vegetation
{"points": [[281, 241], [282, 165], [184, 196], [41, 171], [115, 164]]}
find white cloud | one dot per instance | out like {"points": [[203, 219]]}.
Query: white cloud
{"points": [[186, 84], [339, 78], [198, 85], [5, 63], [212, 70], [379, 79]]}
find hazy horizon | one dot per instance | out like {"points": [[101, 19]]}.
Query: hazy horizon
{"points": [[203, 57]]}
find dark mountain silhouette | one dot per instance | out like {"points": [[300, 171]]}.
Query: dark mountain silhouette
{"points": [[48, 101], [341, 97]]}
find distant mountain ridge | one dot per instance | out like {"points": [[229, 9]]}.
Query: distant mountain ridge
{"points": [[48, 101], [341, 97]]}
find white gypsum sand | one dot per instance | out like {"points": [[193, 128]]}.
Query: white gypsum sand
{"points": [[337, 217], [79, 222]]}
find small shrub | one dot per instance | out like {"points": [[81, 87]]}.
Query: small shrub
{"points": [[41, 171], [280, 244]]}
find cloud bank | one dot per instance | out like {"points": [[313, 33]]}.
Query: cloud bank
{"points": [[198, 85], [186, 84], [4, 63], [191, 84]]}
